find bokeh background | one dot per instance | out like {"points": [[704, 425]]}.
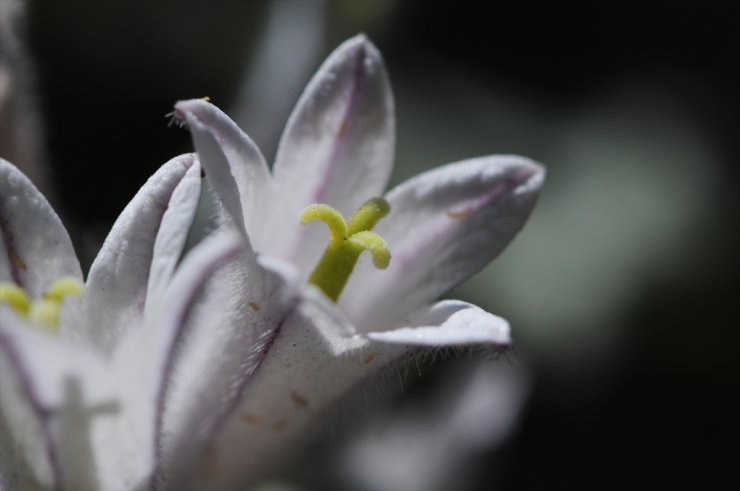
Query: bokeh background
{"points": [[621, 289]]}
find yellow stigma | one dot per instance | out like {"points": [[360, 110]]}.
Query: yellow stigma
{"points": [[16, 298], [44, 311], [347, 240]]}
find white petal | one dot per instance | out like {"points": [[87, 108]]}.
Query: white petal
{"points": [[316, 360], [337, 147], [63, 408], [431, 441], [234, 165], [444, 226], [145, 357], [116, 289], [173, 233], [225, 343], [313, 362], [35, 249], [449, 323], [28, 456]]}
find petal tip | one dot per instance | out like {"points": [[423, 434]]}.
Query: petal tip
{"points": [[189, 110], [358, 41], [525, 174], [359, 46], [526, 165], [532, 175], [191, 104], [186, 160]]}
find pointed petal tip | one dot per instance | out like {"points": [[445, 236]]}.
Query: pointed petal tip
{"points": [[189, 111], [532, 176], [356, 42], [525, 168], [206, 116], [187, 160], [360, 37], [359, 47], [525, 175], [191, 105]]}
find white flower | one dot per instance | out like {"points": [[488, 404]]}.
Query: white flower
{"points": [[81, 394], [337, 149]]}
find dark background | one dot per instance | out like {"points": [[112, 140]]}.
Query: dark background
{"points": [[634, 359]]}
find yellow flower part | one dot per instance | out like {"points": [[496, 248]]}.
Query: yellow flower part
{"points": [[16, 297], [44, 311], [347, 240]]}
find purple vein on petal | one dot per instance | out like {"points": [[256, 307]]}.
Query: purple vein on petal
{"points": [[261, 349], [41, 413], [458, 216], [510, 183], [341, 136], [15, 263], [178, 320]]}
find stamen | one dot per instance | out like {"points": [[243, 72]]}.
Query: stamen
{"points": [[45, 311], [346, 243]]}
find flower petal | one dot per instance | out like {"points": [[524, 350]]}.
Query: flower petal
{"points": [[314, 360], [337, 147], [228, 339], [449, 323], [233, 163], [15, 473], [65, 414], [173, 233], [431, 441], [154, 345], [156, 348], [35, 249], [28, 456], [116, 290], [444, 225]]}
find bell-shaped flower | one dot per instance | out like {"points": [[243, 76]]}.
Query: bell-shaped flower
{"points": [[353, 317], [82, 380]]}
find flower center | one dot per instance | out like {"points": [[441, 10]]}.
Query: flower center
{"points": [[44, 311], [347, 240]]}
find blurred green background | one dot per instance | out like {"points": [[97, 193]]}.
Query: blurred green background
{"points": [[620, 289]]}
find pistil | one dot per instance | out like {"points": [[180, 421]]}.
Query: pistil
{"points": [[44, 311], [347, 240]]}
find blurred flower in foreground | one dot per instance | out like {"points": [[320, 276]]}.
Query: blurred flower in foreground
{"points": [[20, 128], [82, 381], [440, 441], [322, 340]]}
